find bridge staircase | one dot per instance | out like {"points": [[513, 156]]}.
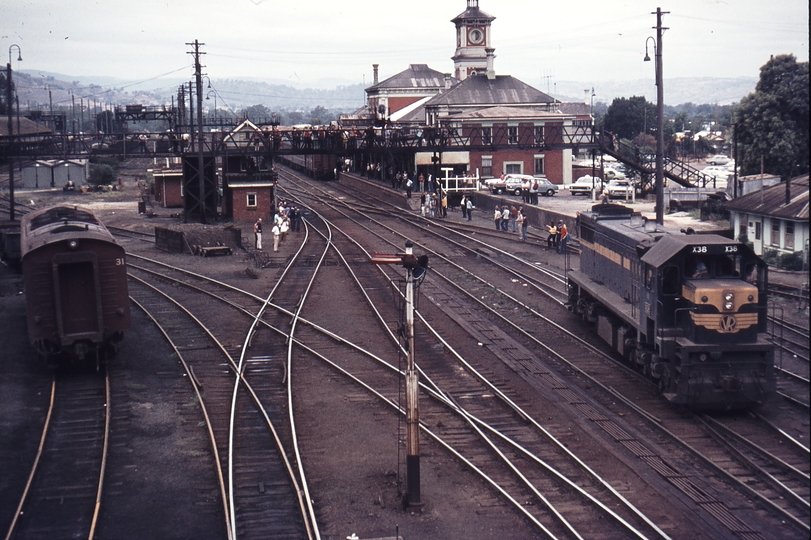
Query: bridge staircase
{"points": [[645, 164]]}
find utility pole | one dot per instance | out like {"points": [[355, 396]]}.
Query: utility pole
{"points": [[200, 170], [660, 121], [9, 109]]}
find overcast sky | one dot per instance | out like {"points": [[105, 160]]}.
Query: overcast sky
{"points": [[539, 42]]}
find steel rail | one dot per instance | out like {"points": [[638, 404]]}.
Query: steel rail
{"points": [[45, 426], [234, 368], [106, 444], [200, 400], [433, 392], [520, 412], [684, 444]]}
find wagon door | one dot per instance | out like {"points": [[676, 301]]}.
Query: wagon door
{"points": [[78, 302]]}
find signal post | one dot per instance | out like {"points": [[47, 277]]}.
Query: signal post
{"points": [[415, 270]]}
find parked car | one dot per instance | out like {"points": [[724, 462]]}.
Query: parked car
{"points": [[718, 159], [545, 187], [612, 174], [512, 183], [585, 184], [620, 188]]}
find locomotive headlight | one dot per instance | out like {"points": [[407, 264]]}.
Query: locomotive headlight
{"points": [[705, 299], [729, 300], [73, 244]]}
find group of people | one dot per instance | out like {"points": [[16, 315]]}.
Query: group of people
{"points": [[558, 236], [510, 218], [287, 218], [417, 182], [434, 204]]}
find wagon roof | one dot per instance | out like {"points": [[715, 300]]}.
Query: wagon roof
{"points": [[49, 225]]}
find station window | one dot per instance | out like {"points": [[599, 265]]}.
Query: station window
{"points": [[487, 165], [512, 135], [515, 167], [539, 165], [251, 202], [487, 135]]}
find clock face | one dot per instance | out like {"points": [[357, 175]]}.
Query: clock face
{"points": [[475, 36]]}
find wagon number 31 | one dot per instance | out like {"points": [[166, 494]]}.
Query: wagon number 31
{"points": [[120, 261]]}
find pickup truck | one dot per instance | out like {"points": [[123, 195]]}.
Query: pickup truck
{"points": [[585, 184]]}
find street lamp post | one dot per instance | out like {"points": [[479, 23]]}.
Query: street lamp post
{"points": [[208, 96], [660, 106], [9, 107]]}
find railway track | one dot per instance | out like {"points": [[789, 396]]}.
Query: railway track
{"points": [[259, 490], [524, 496], [63, 494], [695, 431]]}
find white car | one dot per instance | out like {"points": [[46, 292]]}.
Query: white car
{"points": [[584, 185], [721, 176], [620, 188], [613, 174], [718, 159]]}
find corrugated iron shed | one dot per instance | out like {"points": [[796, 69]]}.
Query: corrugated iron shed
{"points": [[771, 201]]}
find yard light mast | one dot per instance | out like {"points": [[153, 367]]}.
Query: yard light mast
{"points": [[415, 270]]}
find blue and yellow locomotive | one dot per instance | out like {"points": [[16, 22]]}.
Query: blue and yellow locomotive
{"points": [[687, 309]]}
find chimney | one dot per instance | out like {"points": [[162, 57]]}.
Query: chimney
{"points": [[374, 69], [491, 71], [447, 81]]}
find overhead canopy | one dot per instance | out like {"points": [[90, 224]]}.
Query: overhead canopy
{"points": [[447, 158]]}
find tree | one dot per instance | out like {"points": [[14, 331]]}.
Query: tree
{"points": [[256, 113], [628, 117], [319, 116], [772, 123]]}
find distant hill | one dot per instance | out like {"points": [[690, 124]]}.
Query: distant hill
{"points": [[696, 90], [236, 94]]}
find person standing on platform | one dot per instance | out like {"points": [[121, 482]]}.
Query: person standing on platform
{"points": [[409, 183], [553, 234], [444, 203], [563, 232], [513, 217], [277, 233], [505, 217], [469, 206], [464, 206], [257, 231], [523, 222], [497, 218]]}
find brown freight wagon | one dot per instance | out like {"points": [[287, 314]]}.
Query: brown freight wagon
{"points": [[75, 283]]}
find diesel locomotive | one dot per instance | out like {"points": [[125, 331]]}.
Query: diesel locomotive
{"points": [[689, 310], [75, 279]]}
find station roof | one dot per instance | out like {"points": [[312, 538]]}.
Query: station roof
{"points": [[417, 76], [482, 91]]}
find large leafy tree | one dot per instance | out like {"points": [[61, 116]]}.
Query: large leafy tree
{"points": [[628, 117], [772, 122]]}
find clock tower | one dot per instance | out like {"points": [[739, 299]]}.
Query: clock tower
{"points": [[472, 41]]}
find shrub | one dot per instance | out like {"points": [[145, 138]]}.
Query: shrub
{"points": [[791, 261], [101, 174]]}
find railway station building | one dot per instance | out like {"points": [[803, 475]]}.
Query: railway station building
{"points": [[487, 109]]}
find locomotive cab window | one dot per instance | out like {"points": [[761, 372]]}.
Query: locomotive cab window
{"points": [[671, 284]]}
